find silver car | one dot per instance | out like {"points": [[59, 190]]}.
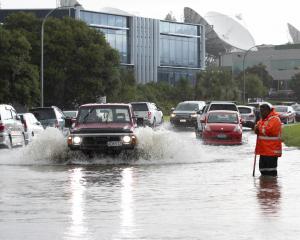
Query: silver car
{"points": [[11, 128], [32, 127], [248, 115]]}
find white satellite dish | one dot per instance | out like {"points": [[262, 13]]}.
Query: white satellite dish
{"points": [[294, 33], [116, 11], [230, 31]]}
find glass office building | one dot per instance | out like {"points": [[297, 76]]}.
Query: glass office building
{"points": [[157, 50]]}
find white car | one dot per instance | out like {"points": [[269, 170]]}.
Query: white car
{"points": [[149, 112], [32, 127]]}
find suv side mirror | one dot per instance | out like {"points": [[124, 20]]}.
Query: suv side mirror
{"points": [[17, 117], [172, 109], [68, 122], [140, 122]]}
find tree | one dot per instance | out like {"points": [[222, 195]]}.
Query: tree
{"points": [[262, 73], [216, 84], [18, 78], [295, 85], [254, 86], [170, 17], [79, 65]]}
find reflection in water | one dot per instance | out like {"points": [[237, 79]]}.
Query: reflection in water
{"points": [[127, 215], [77, 229], [269, 195]]}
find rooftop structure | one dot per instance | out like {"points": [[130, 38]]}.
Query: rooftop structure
{"points": [[294, 33], [222, 33]]}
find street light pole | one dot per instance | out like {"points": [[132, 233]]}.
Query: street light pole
{"points": [[42, 51], [244, 74]]}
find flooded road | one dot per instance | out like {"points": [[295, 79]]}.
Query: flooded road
{"points": [[177, 189]]}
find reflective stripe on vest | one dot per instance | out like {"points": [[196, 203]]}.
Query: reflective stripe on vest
{"points": [[267, 122], [267, 169], [269, 138]]}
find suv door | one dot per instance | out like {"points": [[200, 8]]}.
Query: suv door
{"points": [[17, 127], [60, 117]]}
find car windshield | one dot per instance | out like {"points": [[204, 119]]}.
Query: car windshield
{"points": [[139, 107], [222, 118], [187, 107], [281, 109], [43, 113], [230, 107], [296, 107], [70, 114], [107, 114], [244, 110]]}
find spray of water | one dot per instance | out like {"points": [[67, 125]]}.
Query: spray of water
{"points": [[162, 145]]}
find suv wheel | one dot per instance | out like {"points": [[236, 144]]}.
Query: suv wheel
{"points": [[154, 123], [9, 143]]}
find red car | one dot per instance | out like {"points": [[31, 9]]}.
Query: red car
{"points": [[222, 127]]}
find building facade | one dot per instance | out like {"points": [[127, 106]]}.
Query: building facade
{"points": [[157, 50], [282, 63]]}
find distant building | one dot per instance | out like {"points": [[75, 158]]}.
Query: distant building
{"points": [[282, 62], [157, 50]]}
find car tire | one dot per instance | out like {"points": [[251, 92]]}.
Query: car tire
{"points": [[23, 143], [154, 123], [9, 143]]}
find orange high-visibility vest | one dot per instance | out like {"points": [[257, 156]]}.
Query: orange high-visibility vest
{"points": [[269, 141]]}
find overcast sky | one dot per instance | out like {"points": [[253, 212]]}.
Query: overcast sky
{"points": [[265, 19]]}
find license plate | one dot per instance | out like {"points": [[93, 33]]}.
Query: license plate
{"points": [[182, 120], [221, 136], [114, 144]]}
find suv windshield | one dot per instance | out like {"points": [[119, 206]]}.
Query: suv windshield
{"points": [[139, 107], [244, 110], [43, 113], [220, 106], [281, 109], [187, 107], [109, 114], [222, 118]]}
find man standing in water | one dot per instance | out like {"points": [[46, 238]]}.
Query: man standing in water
{"points": [[268, 144]]}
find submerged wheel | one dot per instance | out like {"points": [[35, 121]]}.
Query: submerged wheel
{"points": [[9, 143]]}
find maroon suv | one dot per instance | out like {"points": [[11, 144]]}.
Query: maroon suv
{"points": [[103, 128]]}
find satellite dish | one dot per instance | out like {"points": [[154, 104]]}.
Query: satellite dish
{"points": [[294, 33], [115, 11], [230, 31]]}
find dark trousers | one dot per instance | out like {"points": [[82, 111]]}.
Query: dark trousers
{"points": [[268, 165]]}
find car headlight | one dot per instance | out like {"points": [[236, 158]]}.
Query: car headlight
{"points": [[194, 115], [77, 140], [173, 115], [126, 139]]}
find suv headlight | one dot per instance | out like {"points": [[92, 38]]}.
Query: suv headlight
{"points": [[77, 140], [126, 139], [194, 115], [173, 115]]}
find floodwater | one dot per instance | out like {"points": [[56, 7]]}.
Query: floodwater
{"points": [[177, 189]]}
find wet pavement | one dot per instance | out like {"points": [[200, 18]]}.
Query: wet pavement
{"points": [[177, 189]]}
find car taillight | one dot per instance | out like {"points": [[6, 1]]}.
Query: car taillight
{"points": [[207, 128], [2, 127], [237, 129], [149, 115]]}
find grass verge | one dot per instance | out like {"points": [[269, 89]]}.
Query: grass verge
{"points": [[291, 135]]}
